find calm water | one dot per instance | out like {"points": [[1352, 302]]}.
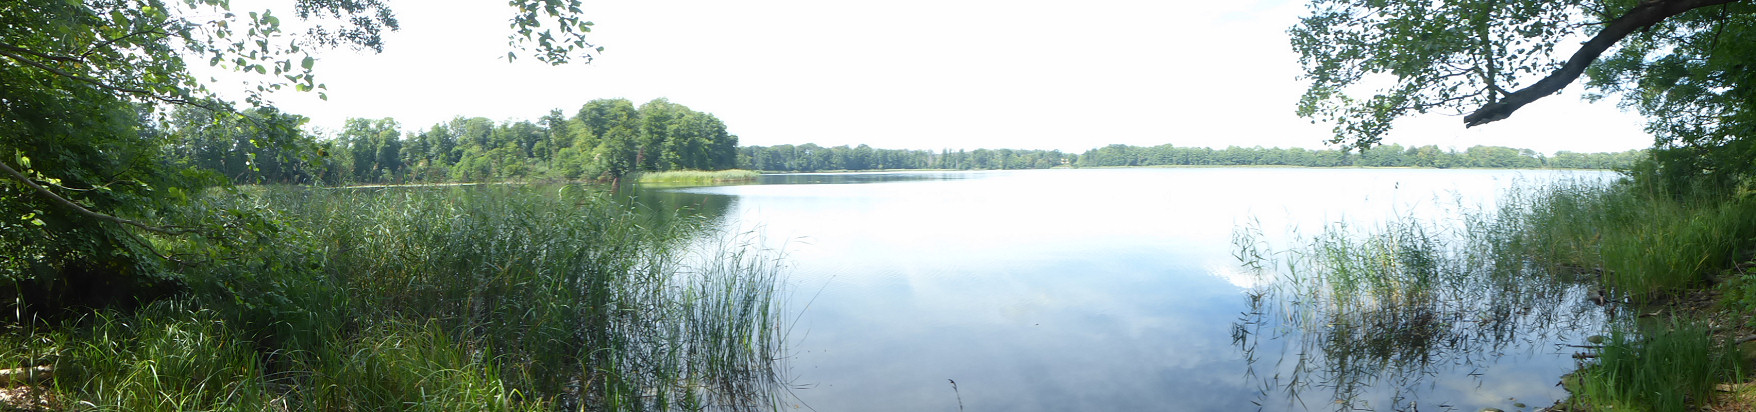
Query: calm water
{"points": [[1109, 289]]}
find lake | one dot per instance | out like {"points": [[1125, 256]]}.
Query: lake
{"points": [[1106, 289]]}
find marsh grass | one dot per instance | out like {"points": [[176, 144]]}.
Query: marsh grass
{"points": [[700, 177], [1669, 369], [1644, 243], [410, 367], [168, 356], [1381, 305], [1378, 311], [583, 302], [462, 298]]}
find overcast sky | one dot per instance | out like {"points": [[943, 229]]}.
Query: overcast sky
{"points": [[915, 74]]}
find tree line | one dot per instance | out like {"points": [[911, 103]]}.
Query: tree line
{"points": [[605, 139], [810, 157], [1392, 155]]}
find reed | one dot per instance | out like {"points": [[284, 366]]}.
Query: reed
{"points": [[1668, 369], [458, 298], [168, 356], [1645, 243], [1385, 303], [700, 177], [583, 301]]}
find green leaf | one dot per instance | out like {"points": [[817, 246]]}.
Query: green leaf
{"points": [[308, 62]]}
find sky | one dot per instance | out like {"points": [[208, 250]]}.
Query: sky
{"points": [[908, 74]]}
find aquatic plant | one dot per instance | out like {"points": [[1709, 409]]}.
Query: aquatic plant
{"points": [[1381, 306], [1643, 242], [1666, 369], [1387, 306]]}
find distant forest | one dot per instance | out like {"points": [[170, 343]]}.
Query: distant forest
{"points": [[607, 139], [811, 157], [604, 140]]}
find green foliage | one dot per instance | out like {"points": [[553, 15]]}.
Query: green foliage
{"points": [[502, 298], [577, 298], [168, 356], [1645, 242], [1383, 304], [87, 87], [606, 140], [1671, 369], [1690, 76], [259, 145], [1388, 306], [1370, 63], [413, 368], [1451, 55], [81, 142]]}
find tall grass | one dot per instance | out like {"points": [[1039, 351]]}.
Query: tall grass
{"points": [[582, 302], [700, 177], [1386, 307], [410, 367], [1645, 243], [168, 356], [1382, 305], [480, 298], [1669, 369]]}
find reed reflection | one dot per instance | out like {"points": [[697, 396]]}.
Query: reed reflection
{"points": [[1378, 319]]}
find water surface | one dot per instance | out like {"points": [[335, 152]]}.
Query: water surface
{"points": [[1112, 289]]}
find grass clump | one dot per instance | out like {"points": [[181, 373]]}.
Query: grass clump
{"points": [[168, 356], [1673, 369], [1644, 242], [411, 367], [1388, 307], [700, 177], [1384, 305]]}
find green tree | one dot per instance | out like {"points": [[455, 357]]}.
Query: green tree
{"points": [[262, 146], [1682, 63], [557, 133], [619, 153]]}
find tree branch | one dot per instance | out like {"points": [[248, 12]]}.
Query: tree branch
{"points": [[7, 51], [1646, 14], [57, 199], [107, 43], [45, 56]]}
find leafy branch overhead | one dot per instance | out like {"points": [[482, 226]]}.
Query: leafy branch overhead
{"points": [[1485, 59]]}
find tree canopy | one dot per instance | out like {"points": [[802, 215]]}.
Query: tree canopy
{"points": [[85, 87], [1681, 63]]}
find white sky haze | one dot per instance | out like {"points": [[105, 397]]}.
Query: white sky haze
{"points": [[907, 74]]}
